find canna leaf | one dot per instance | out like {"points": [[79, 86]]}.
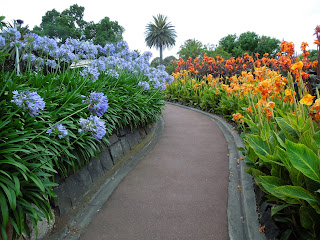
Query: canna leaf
{"points": [[304, 159], [296, 192], [287, 129]]}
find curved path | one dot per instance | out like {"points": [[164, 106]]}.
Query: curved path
{"points": [[179, 190]]}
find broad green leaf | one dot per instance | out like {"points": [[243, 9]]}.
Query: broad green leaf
{"points": [[258, 145], [287, 129], [308, 217], [279, 140], [286, 234], [307, 138], [282, 155], [303, 159], [297, 192], [253, 126], [270, 184], [275, 210]]}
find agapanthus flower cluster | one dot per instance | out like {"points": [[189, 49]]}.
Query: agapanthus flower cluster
{"points": [[114, 58], [145, 85], [94, 125], [29, 100], [52, 63], [98, 103], [29, 57], [12, 34], [113, 73], [59, 130], [91, 73], [2, 41]]}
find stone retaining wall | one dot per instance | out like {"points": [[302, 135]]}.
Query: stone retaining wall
{"points": [[73, 190], [75, 186]]}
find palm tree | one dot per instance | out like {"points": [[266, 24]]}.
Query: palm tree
{"points": [[160, 34]]}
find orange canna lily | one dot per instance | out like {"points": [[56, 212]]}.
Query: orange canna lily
{"points": [[271, 104]]}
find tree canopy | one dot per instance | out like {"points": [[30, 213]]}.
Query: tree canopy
{"points": [[191, 48], [194, 48], [70, 24], [251, 43]]}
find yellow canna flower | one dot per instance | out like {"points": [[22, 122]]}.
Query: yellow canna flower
{"points": [[307, 99]]}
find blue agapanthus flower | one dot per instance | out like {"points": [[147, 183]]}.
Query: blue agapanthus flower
{"points": [[98, 103], [94, 125], [145, 85], [2, 41], [59, 130], [12, 34], [91, 73], [113, 73], [29, 100]]}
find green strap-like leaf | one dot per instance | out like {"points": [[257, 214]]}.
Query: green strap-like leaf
{"points": [[303, 159], [297, 192], [4, 209]]}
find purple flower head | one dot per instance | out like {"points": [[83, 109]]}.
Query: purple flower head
{"points": [[113, 73], [91, 73], [29, 57], [29, 100], [99, 64], [144, 85], [109, 49], [18, 44], [170, 79], [98, 103], [2, 41], [94, 125], [12, 34], [52, 63], [59, 130], [30, 38]]}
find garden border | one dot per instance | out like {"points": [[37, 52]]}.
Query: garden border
{"points": [[243, 221], [92, 201]]}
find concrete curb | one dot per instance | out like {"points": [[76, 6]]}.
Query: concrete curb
{"points": [[104, 187], [242, 215]]}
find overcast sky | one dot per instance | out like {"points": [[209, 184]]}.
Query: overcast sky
{"points": [[204, 20]]}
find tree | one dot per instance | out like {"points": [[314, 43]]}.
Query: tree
{"points": [[268, 45], [70, 24], [213, 51], [229, 43], [160, 34], [248, 42], [105, 31], [191, 48]]}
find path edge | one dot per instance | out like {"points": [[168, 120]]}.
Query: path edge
{"points": [[243, 221]]}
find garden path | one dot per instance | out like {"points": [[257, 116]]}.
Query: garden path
{"points": [[179, 190]]}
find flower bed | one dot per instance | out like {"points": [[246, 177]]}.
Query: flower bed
{"points": [[54, 119]]}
